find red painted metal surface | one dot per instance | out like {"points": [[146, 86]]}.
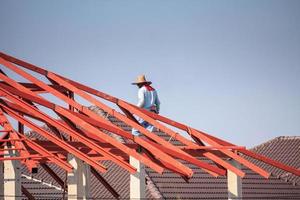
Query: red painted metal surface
{"points": [[22, 102]]}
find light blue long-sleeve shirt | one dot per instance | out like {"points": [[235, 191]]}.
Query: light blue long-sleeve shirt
{"points": [[148, 99]]}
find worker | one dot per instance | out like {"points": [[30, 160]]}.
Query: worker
{"points": [[147, 99]]}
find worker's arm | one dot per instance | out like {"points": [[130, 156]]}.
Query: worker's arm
{"points": [[157, 103], [141, 98]]}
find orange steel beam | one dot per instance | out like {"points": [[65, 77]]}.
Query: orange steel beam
{"points": [[33, 87], [214, 147], [22, 63], [76, 144]]}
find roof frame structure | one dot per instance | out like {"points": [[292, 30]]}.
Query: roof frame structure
{"points": [[84, 129]]}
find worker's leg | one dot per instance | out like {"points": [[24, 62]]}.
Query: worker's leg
{"points": [[134, 131], [149, 127], [145, 124]]}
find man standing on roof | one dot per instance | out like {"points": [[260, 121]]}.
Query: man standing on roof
{"points": [[147, 99]]}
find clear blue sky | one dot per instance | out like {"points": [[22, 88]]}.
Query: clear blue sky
{"points": [[231, 68]]}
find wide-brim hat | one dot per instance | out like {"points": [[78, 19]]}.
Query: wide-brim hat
{"points": [[141, 79]]}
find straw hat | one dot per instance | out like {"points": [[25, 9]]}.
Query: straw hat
{"points": [[141, 79]]}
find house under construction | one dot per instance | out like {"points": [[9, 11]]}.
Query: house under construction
{"points": [[80, 142]]}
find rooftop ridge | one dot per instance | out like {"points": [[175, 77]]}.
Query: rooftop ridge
{"points": [[266, 146], [275, 139]]}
